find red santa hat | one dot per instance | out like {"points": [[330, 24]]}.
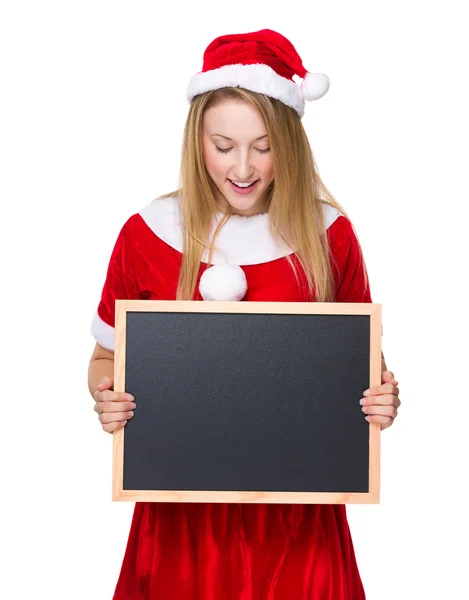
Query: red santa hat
{"points": [[262, 61]]}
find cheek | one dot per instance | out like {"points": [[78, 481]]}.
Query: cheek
{"points": [[214, 163], [268, 170]]}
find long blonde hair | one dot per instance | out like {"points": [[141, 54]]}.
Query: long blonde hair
{"points": [[293, 200]]}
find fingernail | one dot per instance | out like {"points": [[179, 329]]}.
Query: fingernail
{"points": [[363, 401], [133, 405], [129, 397], [366, 393]]}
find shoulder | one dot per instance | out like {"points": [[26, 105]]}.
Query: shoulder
{"points": [[331, 216], [163, 218], [139, 229], [336, 223], [131, 226], [340, 233]]}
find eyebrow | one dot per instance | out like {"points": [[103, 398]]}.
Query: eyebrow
{"points": [[229, 139]]}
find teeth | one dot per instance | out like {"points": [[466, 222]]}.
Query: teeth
{"points": [[239, 184]]}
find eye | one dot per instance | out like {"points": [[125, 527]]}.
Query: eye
{"points": [[224, 151]]}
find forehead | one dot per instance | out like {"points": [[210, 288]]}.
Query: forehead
{"points": [[233, 119]]}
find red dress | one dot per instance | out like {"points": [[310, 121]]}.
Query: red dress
{"points": [[216, 551]]}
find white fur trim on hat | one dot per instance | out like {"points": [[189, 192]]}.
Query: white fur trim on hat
{"points": [[257, 78], [241, 241], [315, 86]]}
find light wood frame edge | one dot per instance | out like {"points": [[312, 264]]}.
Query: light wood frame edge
{"points": [[370, 497], [119, 386]]}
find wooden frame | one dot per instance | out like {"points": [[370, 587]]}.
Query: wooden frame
{"points": [[371, 309]]}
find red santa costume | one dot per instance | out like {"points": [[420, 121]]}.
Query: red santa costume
{"points": [[217, 551]]}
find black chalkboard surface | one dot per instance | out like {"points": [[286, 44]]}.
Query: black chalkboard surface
{"points": [[247, 402]]}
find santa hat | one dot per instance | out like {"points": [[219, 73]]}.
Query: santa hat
{"points": [[262, 61]]}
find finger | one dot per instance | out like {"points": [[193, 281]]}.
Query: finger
{"points": [[110, 396], [388, 376], [384, 411], [111, 427], [106, 418], [385, 388], [382, 400], [113, 407], [105, 383], [383, 421]]}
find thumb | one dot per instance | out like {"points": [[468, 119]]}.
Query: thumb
{"points": [[388, 376], [105, 383]]}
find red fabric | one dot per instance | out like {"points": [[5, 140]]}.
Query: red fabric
{"points": [[239, 552], [142, 266], [202, 551], [258, 47], [121, 281]]}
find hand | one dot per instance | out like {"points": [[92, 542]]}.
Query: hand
{"points": [[113, 408], [381, 403]]}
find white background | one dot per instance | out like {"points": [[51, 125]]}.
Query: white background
{"points": [[92, 113]]}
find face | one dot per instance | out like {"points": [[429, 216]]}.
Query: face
{"points": [[236, 149]]}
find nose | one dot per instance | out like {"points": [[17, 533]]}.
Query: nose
{"points": [[243, 168]]}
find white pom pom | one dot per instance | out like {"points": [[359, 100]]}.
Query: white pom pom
{"points": [[315, 86], [223, 282]]}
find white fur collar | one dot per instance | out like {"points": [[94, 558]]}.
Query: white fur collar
{"points": [[241, 241]]}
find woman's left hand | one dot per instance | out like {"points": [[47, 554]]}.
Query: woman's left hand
{"points": [[380, 404]]}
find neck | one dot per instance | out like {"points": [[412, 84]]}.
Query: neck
{"points": [[227, 209]]}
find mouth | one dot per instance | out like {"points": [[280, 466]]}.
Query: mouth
{"points": [[245, 189]]}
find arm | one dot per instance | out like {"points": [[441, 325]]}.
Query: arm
{"points": [[380, 403], [101, 365], [114, 409]]}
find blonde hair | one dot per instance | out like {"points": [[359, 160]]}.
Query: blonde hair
{"points": [[293, 200]]}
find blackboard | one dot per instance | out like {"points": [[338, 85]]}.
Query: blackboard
{"points": [[247, 402]]}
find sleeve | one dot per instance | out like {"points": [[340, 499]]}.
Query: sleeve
{"points": [[348, 264], [120, 284]]}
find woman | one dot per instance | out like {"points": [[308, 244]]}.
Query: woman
{"points": [[251, 203]]}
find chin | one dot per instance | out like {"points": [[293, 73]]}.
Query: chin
{"points": [[247, 205]]}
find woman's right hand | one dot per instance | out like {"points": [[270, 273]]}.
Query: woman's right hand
{"points": [[113, 408]]}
